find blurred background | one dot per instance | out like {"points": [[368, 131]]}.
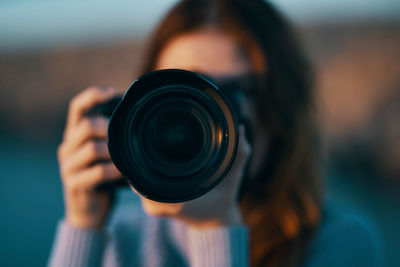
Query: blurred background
{"points": [[50, 50]]}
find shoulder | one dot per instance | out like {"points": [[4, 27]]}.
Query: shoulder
{"points": [[344, 238]]}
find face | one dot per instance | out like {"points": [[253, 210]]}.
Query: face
{"points": [[211, 52], [215, 54], [206, 51]]}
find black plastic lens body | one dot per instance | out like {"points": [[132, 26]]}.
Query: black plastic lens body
{"points": [[173, 135]]}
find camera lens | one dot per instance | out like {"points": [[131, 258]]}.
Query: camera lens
{"points": [[173, 136], [177, 136]]}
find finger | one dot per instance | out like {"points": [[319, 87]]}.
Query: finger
{"points": [[88, 154], [87, 99], [91, 177], [88, 128]]}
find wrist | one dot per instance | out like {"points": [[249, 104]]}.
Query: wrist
{"points": [[84, 222]]}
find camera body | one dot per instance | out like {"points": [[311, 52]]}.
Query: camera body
{"points": [[173, 135]]}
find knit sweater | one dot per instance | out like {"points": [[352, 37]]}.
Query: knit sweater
{"points": [[134, 239]]}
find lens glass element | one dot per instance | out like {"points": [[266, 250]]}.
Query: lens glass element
{"points": [[177, 135]]}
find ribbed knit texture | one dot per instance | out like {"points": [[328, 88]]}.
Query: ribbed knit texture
{"points": [[77, 247], [219, 247], [135, 239]]}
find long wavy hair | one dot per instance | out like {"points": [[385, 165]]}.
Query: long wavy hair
{"points": [[281, 204]]}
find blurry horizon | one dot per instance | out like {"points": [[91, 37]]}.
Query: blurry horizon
{"points": [[27, 25]]}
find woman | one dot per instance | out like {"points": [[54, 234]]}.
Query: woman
{"points": [[266, 216]]}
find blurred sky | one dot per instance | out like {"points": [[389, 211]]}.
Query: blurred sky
{"points": [[28, 24]]}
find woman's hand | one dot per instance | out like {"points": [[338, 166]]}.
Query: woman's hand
{"points": [[85, 162], [215, 208]]}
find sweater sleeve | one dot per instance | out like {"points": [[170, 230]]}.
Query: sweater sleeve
{"points": [[222, 246], [77, 247]]}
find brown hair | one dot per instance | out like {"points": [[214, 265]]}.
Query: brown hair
{"points": [[281, 205]]}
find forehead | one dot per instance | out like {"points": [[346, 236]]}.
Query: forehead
{"points": [[207, 51]]}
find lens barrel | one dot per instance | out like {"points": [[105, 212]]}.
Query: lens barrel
{"points": [[173, 135]]}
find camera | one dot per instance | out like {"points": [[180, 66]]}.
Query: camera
{"points": [[173, 134]]}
